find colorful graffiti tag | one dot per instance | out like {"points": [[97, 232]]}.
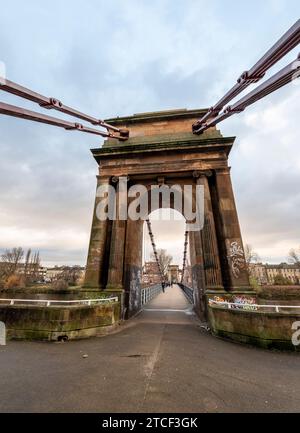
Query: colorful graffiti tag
{"points": [[244, 302], [237, 302]]}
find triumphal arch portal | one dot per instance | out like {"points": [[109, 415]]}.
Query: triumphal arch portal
{"points": [[162, 150]]}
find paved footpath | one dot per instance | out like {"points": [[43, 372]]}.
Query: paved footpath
{"points": [[161, 361]]}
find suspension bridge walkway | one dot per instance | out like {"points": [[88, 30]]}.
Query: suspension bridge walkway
{"points": [[162, 360]]}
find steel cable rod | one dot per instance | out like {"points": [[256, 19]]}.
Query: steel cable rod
{"points": [[184, 254], [280, 79], [55, 104], [285, 44], [22, 113], [155, 250]]}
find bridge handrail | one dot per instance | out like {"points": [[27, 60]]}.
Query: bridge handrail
{"points": [[188, 291], [48, 302], [148, 293], [253, 307]]}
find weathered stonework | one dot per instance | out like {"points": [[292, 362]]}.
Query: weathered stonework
{"points": [[162, 146], [269, 330], [54, 323]]}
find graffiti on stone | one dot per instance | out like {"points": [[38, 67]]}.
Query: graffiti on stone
{"points": [[135, 287], [236, 255], [244, 302], [237, 302]]}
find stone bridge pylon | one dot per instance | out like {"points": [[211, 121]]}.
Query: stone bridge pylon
{"points": [[162, 150]]}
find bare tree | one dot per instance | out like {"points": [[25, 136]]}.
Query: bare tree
{"points": [[294, 257], [69, 276], [164, 260], [72, 274], [11, 260], [16, 272], [250, 256], [280, 280], [27, 264]]}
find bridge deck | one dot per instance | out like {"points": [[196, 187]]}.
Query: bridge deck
{"points": [[169, 307], [159, 361], [173, 298]]}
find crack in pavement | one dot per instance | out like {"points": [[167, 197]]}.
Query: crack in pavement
{"points": [[150, 366]]}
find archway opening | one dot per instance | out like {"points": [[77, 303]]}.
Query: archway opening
{"points": [[167, 262]]}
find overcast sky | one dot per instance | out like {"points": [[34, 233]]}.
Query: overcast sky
{"points": [[111, 58]]}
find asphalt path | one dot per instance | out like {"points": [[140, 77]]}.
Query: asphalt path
{"points": [[160, 361]]}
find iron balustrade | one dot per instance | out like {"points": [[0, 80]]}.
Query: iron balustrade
{"points": [[251, 307], [49, 302], [150, 293], [188, 291]]}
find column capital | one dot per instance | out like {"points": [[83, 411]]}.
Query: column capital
{"points": [[160, 180], [115, 179], [201, 173], [102, 179], [224, 170]]}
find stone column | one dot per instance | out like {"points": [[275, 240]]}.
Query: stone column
{"points": [[117, 247], [197, 265], [95, 268], [234, 270], [198, 276], [133, 266], [212, 267]]}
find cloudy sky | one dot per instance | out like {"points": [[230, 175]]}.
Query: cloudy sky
{"points": [[111, 58]]}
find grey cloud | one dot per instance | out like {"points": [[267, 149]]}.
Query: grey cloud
{"points": [[118, 58]]}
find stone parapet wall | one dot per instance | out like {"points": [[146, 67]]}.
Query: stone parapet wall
{"points": [[56, 323], [269, 330]]}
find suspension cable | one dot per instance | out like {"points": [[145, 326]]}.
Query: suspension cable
{"points": [[285, 44], [283, 77], [155, 250], [22, 113], [55, 104], [184, 254]]}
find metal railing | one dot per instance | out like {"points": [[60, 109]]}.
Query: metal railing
{"points": [[252, 307], [188, 291], [149, 293], [49, 302]]}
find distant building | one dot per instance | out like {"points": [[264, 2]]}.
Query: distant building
{"points": [[290, 272], [173, 274], [151, 274], [35, 271], [265, 274], [52, 274], [259, 272]]}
